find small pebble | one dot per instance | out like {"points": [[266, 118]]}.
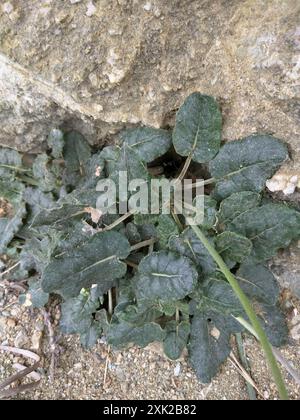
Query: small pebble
{"points": [[177, 369], [36, 340], [91, 9], [11, 323], [21, 339], [7, 7]]}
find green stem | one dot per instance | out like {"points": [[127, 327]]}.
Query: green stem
{"points": [[139, 245], [14, 168], [184, 169], [248, 309], [28, 180]]}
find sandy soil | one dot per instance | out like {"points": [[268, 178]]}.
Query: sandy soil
{"points": [[131, 374]]}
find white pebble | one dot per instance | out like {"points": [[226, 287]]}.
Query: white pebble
{"points": [[91, 9], [276, 184], [289, 189], [147, 7], [7, 7], [75, 1], [177, 369]]}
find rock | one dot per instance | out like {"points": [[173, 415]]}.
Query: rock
{"points": [[97, 66], [2, 323], [177, 369], [21, 340], [36, 340], [11, 323]]}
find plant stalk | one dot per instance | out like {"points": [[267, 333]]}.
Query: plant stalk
{"points": [[248, 309]]}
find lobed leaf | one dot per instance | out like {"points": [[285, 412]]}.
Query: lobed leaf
{"points": [[233, 247], [188, 244], [270, 227], [259, 283], [246, 165], [123, 333], [209, 344], [176, 338], [237, 204], [96, 261]]}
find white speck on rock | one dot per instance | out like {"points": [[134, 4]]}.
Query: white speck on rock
{"points": [[147, 7], [177, 369], [7, 7], [91, 9], [75, 1]]}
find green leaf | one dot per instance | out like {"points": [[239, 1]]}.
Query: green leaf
{"points": [[129, 162], [123, 333], [12, 191], [37, 200], [149, 143], [11, 223], [59, 217], [259, 283], [217, 295], [166, 276], [37, 253], [36, 294], [9, 161], [165, 228], [209, 344], [233, 247], [110, 156], [270, 227], [97, 261], [143, 312], [46, 173], [98, 327], [188, 244], [246, 165], [56, 143], [132, 233], [169, 308], [176, 338], [90, 337], [236, 204], [198, 128], [76, 313], [76, 154], [210, 212], [273, 321], [71, 207], [10, 157]]}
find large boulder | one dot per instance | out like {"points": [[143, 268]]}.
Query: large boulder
{"points": [[99, 65]]}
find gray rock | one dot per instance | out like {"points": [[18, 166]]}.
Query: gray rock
{"points": [[135, 61]]}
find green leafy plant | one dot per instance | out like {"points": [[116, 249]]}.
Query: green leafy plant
{"points": [[139, 278]]}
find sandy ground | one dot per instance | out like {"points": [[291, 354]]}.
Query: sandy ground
{"points": [[131, 374]]}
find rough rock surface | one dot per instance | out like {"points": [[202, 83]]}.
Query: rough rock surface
{"points": [[98, 65]]}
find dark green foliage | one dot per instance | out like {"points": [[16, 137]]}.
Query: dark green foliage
{"points": [[168, 289]]}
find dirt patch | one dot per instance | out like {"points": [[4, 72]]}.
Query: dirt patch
{"points": [[6, 209], [133, 373]]}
